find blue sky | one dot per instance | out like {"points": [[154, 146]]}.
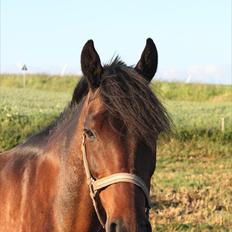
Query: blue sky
{"points": [[193, 37]]}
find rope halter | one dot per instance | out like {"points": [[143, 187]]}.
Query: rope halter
{"points": [[96, 185]]}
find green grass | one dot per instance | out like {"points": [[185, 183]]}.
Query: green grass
{"points": [[201, 119], [25, 110], [40, 82], [193, 92], [168, 91]]}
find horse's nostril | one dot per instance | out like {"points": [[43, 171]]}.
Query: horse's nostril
{"points": [[115, 226]]}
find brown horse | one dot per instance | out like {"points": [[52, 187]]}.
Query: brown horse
{"points": [[90, 170]]}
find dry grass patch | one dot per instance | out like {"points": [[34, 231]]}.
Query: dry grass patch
{"points": [[192, 188]]}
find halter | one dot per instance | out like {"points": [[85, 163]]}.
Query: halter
{"points": [[96, 185]]}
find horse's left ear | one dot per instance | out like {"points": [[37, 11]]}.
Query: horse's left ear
{"points": [[148, 62], [91, 65]]}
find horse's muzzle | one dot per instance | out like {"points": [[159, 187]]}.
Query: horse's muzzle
{"points": [[118, 225]]}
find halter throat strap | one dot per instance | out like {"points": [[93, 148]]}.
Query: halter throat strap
{"points": [[96, 185]]}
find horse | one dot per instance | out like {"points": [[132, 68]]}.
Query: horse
{"points": [[90, 169]]}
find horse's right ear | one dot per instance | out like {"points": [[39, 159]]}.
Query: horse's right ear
{"points": [[91, 65]]}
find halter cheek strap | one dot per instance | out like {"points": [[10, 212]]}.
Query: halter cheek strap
{"points": [[96, 185]]}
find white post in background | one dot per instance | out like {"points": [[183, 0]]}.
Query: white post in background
{"points": [[223, 124], [63, 71]]}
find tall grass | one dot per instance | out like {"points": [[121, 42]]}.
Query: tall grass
{"points": [[193, 92], [40, 82], [25, 110], [168, 91]]}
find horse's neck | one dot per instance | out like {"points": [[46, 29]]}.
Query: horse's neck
{"points": [[74, 207]]}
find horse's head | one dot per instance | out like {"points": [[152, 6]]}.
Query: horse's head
{"points": [[121, 119]]}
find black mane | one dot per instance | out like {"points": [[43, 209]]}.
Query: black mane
{"points": [[126, 96]]}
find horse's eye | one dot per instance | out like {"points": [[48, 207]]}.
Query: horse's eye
{"points": [[89, 133]]}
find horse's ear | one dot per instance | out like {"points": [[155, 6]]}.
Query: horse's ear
{"points": [[91, 65], [148, 62]]}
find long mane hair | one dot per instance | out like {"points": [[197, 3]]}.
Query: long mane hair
{"points": [[129, 98]]}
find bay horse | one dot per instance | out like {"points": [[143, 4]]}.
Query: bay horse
{"points": [[90, 169]]}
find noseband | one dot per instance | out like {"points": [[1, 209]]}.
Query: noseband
{"points": [[96, 185]]}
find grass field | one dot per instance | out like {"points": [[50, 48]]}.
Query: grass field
{"points": [[192, 185]]}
